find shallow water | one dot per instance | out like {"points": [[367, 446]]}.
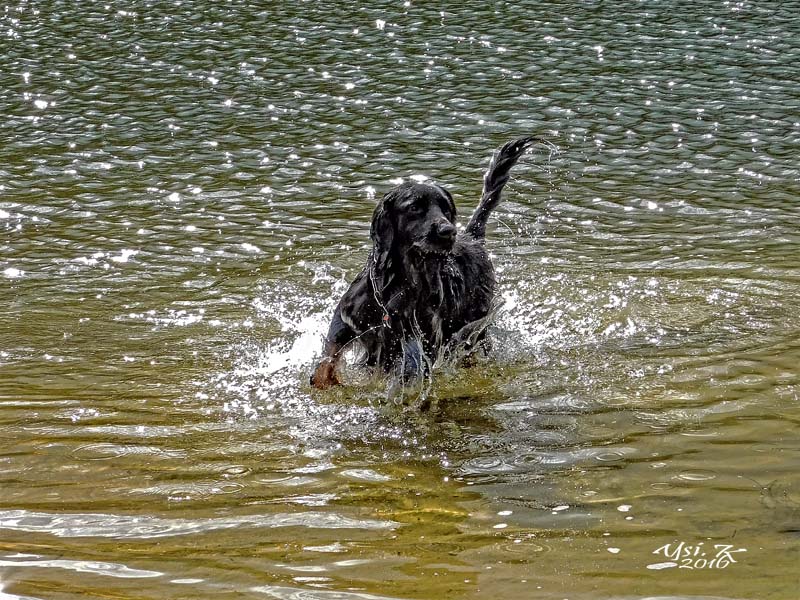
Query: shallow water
{"points": [[185, 190]]}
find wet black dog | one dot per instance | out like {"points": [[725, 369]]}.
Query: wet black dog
{"points": [[426, 291]]}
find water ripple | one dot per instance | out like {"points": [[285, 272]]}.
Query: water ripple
{"points": [[147, 527], [290, 593], [80, 566]]}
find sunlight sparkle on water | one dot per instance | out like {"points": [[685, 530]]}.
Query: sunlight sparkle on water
{"points": [[124, 255]]}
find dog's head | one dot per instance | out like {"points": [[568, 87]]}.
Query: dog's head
{"points": [[414, 217]]}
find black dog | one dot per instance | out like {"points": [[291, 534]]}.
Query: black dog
{"points": [[425, 291]]}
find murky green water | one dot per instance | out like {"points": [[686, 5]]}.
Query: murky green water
{"points": [[185, 189]]}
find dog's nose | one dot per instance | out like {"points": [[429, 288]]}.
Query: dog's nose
{"points": [[445, 230]]}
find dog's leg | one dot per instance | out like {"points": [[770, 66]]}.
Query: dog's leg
{"points": [[327, 372], [485, 344], [414, 363]]}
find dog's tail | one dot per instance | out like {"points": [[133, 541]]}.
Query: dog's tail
{"points": [[495, 180]]}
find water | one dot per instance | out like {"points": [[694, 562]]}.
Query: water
{"points": [[185, 190]]}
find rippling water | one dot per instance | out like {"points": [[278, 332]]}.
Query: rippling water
{"points": [[185, 190]]}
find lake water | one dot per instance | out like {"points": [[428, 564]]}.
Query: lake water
{"points": [[185, 191]]}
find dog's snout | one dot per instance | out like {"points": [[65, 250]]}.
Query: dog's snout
{"points": [[445, 230]]}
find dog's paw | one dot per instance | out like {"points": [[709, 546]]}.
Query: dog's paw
{"points": [[325, 376]]}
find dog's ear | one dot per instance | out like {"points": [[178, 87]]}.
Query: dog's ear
{"points": [[450, 203], [382, 234]]}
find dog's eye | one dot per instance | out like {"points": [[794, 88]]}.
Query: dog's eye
{"points": [[416, 208]]}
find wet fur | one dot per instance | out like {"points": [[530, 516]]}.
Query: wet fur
{"points": [[425, 291]]}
